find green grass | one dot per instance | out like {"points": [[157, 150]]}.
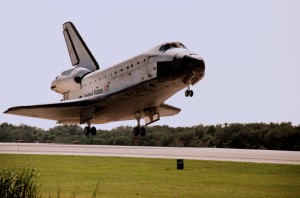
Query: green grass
{"points": [[139, 177]]}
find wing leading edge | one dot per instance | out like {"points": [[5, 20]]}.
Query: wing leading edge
{"points": [[61, 112]]}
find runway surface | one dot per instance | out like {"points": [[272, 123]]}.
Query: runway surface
{"points": [[218, 154]]}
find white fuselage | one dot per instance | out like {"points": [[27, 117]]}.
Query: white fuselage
{"points": [[126, 74]]}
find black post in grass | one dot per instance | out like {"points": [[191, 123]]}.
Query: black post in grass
{"points": [[180, 164]]}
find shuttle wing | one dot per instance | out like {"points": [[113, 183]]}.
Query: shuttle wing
{"points": [[97, 109], [168, 110], [62, 111]]}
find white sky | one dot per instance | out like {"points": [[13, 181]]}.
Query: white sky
{"points": [[251, 49]]}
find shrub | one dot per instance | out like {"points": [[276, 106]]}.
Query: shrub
{"points": [[19, 183]]}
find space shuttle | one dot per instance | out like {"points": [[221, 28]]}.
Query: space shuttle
{"points": [[134, 89]]}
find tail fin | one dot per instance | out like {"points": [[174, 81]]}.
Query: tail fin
{"points": [[79, 52]]}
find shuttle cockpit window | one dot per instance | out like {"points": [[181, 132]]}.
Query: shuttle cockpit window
{"points": [[168, 46]]}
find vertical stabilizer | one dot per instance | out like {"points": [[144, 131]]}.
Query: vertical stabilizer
{"points": [[79, 52]]}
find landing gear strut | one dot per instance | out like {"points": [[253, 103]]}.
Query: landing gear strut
{"points": [[189, 92], [88, 130], [138, 129]]}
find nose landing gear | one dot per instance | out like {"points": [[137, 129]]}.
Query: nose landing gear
{"points": [[189, 92]]}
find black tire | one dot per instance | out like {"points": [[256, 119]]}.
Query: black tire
{"points": [[86, 131], [93, 131], [142, 131], [191, 93], [136, 131], [187, 93]]}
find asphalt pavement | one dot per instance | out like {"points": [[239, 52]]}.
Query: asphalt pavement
{"points": [[216, 154]]}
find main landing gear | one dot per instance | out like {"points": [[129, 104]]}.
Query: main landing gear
{"points": [[189, 92], [89, 130], [138, 129]]}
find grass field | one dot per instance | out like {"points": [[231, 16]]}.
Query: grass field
{"points": [[140, 177]]}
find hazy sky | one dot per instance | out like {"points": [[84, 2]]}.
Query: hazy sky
{"points": [[251, 49]]}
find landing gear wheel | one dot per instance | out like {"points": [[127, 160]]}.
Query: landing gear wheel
{"points": [[142, 131], [191, 93], [136, 131], [93, 131], [86, 130], [187, 93]]}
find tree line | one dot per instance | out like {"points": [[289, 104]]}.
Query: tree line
{"points": [[275, 136]]}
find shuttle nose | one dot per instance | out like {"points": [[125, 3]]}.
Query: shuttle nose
{"points": [[189, 66], [195, 67], [195, 63]]}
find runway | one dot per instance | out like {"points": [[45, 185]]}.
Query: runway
{"points": [[217, 154]]}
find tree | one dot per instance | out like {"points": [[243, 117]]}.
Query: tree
{"points": [[283, 136]]}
